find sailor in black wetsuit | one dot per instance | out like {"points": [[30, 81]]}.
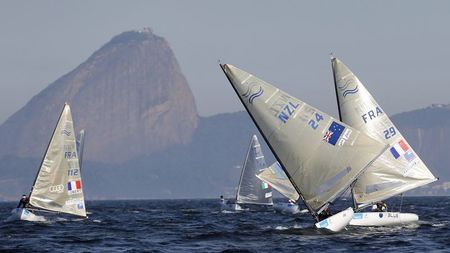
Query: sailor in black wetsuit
{"points": [[380, 206], [324, 214], [23, 201]]}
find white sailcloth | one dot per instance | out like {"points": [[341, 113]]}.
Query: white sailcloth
{"points": [[275, 177], [251, 190], [320, 155], [58, 186], [399, 168]]}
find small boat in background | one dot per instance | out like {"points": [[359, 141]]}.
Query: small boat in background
{"points": [[275, 176], [251, 190]]}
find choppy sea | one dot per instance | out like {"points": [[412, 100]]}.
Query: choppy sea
{"points": [[200, 226]]}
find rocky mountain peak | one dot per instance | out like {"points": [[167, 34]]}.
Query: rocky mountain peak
{"points": [[130, 96]]}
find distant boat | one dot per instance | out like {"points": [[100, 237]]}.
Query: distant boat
{"points": [[251, 190], [275, 177], [396, 171], [57, 187], [320, 155]]}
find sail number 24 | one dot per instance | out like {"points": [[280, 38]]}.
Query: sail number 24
{"points": [[315, 123]]}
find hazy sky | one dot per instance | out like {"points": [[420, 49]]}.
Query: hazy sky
{"points": [[399, 49]]}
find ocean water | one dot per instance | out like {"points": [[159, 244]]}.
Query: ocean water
{"points": [[200, 226]]}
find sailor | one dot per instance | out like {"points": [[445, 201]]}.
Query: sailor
{"points": [[324, 214], [23, 201], [222, 200], [380, 206]]}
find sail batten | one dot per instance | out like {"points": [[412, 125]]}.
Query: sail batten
{"points": [[311, 146], [58, 186], [399, 168], [251, 190]]}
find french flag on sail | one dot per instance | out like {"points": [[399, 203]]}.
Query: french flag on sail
{"points": [[74, 186], [399, 149]]}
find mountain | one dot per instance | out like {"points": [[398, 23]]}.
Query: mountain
{"points": [[130, 95], [428, 132]]}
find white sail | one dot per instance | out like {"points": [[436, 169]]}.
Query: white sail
{"points": [[320, 155], [399, 168], [58, 186], [275, 177], [251, 190]]}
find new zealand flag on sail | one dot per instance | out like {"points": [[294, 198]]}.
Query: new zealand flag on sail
{"points": [[333, 133]]}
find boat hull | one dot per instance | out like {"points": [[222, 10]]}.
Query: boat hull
{"points": [[230, 207], [24, 214], [286, 208], [336, 222], [382, 218]]}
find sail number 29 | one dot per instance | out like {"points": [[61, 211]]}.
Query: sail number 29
{"points": [[388, 133], [315, 123]]}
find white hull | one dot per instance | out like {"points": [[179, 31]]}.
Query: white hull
{"points": [[24, 214], [231, 207], [336, 222], [382, 218], [288, 208]]}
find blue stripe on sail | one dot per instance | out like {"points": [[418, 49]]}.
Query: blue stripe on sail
{"points": [[395, 153], [69, 186]]}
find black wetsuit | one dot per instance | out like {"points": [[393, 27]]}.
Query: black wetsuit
{"points": [[381, 207], [324, 214], [23, 202]]}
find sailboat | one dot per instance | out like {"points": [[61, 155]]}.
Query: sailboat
{"points": [[57, 187], [251, 190], [320, 155], [275, 177], [396, 171]]}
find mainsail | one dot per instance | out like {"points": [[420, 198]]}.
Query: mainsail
{"points": [[399, 168], [275, 176], [58, 186], [320, 155], [251, 190]]}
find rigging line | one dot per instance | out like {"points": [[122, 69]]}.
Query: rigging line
{"points": [[401, 202]]}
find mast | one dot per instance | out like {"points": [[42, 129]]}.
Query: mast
{"points": [[311, 210], [352, 192], [333, 58], [46, 150], [335, 86], [81, 148]]}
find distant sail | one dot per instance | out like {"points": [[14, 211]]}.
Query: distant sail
{"points": [[58, 185], [80, 146], [275, 176], [399, 168], [251, 190], [320, 155]]}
